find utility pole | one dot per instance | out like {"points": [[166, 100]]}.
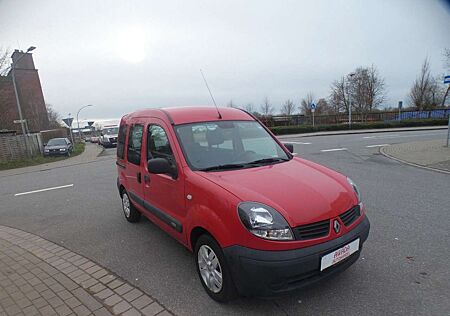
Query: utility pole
{"points": [[19, 108], [350, 103]]}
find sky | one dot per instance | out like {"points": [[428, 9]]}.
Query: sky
{"points": [[121, 56]]}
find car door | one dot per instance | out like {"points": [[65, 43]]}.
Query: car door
{"points": [[134, 163], [163, 193]]}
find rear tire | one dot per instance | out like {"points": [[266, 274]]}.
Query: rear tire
{"points": [[131, 213], [213, 271]]}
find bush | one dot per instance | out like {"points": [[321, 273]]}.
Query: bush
{"points": [[299, 129]]}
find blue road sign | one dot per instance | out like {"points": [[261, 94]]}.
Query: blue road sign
{"points": [[312, 106], [447, 79]]}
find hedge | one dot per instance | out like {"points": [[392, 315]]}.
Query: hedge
{"points": [[298, 129]]}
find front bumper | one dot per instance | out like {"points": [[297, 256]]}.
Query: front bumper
{"points": [[56, 153], [269, 273]]}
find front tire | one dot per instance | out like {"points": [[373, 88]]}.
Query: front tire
{"points": [[131, 213], [213, 270]]}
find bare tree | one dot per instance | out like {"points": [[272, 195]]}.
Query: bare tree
{"points": [[447, 57], [426, 91], [339, 96], [53, 117], [5, 61], [304, 107], [288, 107], [232, 105], [266, 108], [249, 107]]}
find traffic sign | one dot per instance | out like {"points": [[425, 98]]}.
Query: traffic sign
{"points": [[400, 104], [446, 79], [19, 121], [68, 121], [312, 106], [90, 123]]}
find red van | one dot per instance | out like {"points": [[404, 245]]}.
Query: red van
{"points": [[260, 221]]}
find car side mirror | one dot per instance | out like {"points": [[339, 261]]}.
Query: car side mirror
{"points": [[161, 165], [289, 147]]}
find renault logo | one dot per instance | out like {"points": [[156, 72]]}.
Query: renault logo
{"points": [[336, 226]]}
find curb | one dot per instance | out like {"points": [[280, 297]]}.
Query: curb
{"points": [[361, 131], [81, 284], [410, 163]]}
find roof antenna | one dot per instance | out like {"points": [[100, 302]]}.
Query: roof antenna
{"points": [[214, 101]]}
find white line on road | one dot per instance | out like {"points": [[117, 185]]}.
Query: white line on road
{"points": [[43, 190], [299, 143], [397, 135], [333, 149], [380, 145]]}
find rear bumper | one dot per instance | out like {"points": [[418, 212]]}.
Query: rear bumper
{"points": [[270, 273]]}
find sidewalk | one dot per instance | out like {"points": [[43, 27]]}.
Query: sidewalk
{"points": [[90, 153], [364, 131], [426, 154], [38, 277]]}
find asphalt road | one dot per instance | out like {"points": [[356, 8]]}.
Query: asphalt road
{"points": [[403, 269]]}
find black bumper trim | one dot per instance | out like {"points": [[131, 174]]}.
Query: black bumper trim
{"points": [[270, 273]]}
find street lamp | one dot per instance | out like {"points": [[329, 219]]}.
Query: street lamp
{"points": [[22, 121], [350, 103], [78, 122]]}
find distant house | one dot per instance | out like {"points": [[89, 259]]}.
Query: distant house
{"points": [[30, 96]]}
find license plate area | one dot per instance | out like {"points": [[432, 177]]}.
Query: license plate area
{"points": [[338, 255]]}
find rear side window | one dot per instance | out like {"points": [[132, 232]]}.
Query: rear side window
{"points": [[121, 141], [135, 144]]}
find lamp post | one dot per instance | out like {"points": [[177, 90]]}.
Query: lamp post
{"points": [[78, 122], [22, 121], [350, 103]]}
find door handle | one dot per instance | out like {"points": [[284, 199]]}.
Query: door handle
{"points": [[146, 179], [138, 177]]}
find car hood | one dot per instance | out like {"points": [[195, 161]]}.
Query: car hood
{"points": [[303, 191]]}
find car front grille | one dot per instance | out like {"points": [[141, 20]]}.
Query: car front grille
{"points": [[311, 231], [348, 217]]}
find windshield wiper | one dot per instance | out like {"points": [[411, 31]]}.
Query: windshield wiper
{"points": [[224, 167], [267, 160]]}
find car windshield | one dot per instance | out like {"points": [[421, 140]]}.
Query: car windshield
{"points": [[110, 131], [221, 145], [57, 142]]}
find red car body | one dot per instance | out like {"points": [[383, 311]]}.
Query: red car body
{"points": [[198, 202]]}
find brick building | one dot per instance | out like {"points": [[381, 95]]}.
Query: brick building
{"points": [[30, 96]]}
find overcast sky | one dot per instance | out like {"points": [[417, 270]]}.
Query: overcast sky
{"points": [[126, 55]]}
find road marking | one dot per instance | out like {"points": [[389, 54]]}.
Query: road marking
{"points": [[299, 143], [43, 190], [397, 135], [380, 145], [333, 149]]}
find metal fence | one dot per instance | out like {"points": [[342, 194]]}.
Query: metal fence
{"points": [[342, 118]]}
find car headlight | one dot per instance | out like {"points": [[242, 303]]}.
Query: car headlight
{"points": [[46, 150], [355, 188], [264, 221], [62, 149]]}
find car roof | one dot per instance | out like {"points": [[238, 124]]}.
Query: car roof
{"points": [[192, 114]]}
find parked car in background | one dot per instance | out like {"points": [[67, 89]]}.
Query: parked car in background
{"points": [[94, 139], [58, 147], [259, 220], [108, 136]]}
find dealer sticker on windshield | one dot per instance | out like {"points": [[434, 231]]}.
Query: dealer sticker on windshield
{"points": [[339, 255]]}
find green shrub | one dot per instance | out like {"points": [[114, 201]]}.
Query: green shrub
{"points": [[299, 129]]}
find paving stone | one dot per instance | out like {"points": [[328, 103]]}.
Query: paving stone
{"points": [[152, 309], [110, 279], [32, 295], [66, 282], [102, 312], [55, 301], [104, 294], [39, 302], [12, 310], [121, 307], [142, 301], [97, 288], [30, 311], [64, 294], [123, 289], [165, 313], [47, 310], [24, 302], [72, 302], [63, 310], [93, 269], [132, 295], [132, 312], [112, 300], [86, 299], [82, 310]]}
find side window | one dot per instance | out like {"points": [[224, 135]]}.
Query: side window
{"points": [[134, 144], [158, 145], [121, 141]]}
